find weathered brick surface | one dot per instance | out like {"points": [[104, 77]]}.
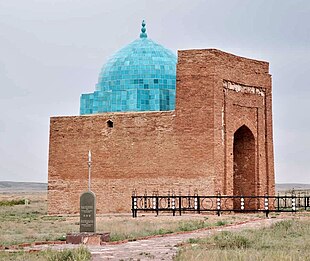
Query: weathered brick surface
{"points": [[182, 150]]}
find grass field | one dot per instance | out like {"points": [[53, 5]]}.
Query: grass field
{"points": [[79, 254], [288, 240], [25, 224]]}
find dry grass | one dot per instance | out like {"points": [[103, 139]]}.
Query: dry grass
{"points": [[23, 224], [20, 223], [287, 240], [78, 254], [128, 228]]}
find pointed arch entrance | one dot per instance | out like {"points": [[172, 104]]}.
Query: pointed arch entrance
{"points": [[244, 162]]}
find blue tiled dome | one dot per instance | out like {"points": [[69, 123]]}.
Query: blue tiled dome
{"points": [[139, 77]]}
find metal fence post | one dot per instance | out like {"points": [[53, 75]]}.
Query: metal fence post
{"points": [[266, 206], [293, 204], [198, 204], [173, 204], [180, 205], [132, 208], [157, 205], [134, 203], [218, 205], [242, 203], [145, 199], [154, 201]]}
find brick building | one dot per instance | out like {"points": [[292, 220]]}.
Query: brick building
{"points": [[214, 136]]}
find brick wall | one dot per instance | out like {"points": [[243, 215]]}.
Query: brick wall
{"points": [[186, 149]]}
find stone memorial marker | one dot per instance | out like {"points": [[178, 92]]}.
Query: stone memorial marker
{"points": [[88, 233], [88, 212]]}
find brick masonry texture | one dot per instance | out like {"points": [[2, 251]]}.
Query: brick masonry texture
{"points": [[222, 101]]}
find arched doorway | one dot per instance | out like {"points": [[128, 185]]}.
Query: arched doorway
{"points": [[244, 164]]}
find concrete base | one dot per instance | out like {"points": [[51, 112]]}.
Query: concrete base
{"points": [[88, 238]]}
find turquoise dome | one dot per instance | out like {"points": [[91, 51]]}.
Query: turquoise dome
{"points": [[139, 77]]}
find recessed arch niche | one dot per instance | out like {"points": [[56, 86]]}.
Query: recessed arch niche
{"points": [[244, 163]]}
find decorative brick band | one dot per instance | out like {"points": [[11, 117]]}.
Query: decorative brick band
{"points": [[243, 88]]}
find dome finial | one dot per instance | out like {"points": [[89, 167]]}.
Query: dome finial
{"points": [[143, 30]]}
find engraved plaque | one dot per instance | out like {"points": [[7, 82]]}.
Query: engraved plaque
{"points": [[88, 212]]}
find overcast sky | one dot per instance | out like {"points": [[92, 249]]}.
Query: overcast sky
{"points": [[51, 51]]}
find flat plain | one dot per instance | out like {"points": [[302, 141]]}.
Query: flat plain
{"points": [[28, 223]]}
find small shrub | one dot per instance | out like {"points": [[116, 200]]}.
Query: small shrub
{"points": [[117, 237], [189, 226], [78, 254], [61, 238], [220, 223], [12, 202], [231, 240], [193, 240], [284, 225], [162, 231]]}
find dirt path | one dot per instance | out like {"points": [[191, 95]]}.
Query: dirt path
{"points": [[158, 248]]}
